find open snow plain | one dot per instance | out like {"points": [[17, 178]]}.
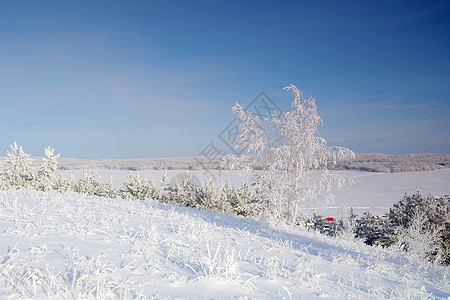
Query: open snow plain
{"points": [[70, 246]]}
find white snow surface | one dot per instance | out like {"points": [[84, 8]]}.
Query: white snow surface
{"points": [[71, 246]]}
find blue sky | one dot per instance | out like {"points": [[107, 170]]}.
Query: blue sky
{"points": [[131, 79]]}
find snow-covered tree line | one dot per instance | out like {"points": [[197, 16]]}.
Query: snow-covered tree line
{"points": [[16, 172], [390, 163]]}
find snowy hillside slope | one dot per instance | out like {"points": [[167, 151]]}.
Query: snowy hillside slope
{"points": [[73, 246]]}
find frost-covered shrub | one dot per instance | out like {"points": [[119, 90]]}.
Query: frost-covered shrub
{"points": [[91, 184], [48, 167], [416, 224], [183, 192], [155, 192], [227, 197], [64, 185], [348, 226], [418, 215], [324, 225], [246, 202], [164, 184], [435, 209], [206, 195], [136, 188], [420, 238], [17, 171], [373, 230]]}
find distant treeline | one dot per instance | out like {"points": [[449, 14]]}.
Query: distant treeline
{"points": [[371, 162], [390, 163]]}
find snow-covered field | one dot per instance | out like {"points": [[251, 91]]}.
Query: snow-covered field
{"points": [[58, 246]]}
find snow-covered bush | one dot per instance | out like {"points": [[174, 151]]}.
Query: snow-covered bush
{"points": [[373, 230], [164, 184], [435, 209], [247, 203], [327, 226], [416, 224], [420, 238], [48, 167], [206, 195], [155, 193], [223, 199], [418, 215], [17, 171], [348, 229], [227, 197], [183, 192], [65, 185], [92, 184], [293, 160], [136, 188]]}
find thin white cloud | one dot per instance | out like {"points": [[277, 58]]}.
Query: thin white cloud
{"points": [[419, 106]]}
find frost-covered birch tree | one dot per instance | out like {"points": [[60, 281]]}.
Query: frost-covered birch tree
{"points": [[292, 159]]}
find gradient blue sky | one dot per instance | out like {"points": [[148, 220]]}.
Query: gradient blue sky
{"points": [[131, 79]]}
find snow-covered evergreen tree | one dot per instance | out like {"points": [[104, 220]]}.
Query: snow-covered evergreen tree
{"points": [[164, 183], [349, 225], [156, 193], [206, 195], [17, 171], [373, 230], [48, 167], [401, 212], [365, 227], [247, 205], [91, 184], [134, 187], [227, 197], [293, 159], [65, 185], [324, 225], [184, 192]]}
